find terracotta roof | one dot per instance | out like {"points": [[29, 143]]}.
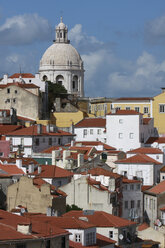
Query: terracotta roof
{"points": [[9, 222], [101, 219], [126, 180], [133, 98], [32, 131], [146, 150], [63, 222], [157, 189], [162, 169], [52, 171], [146, 187], [21, 85], [143, 226], [162, 209], [23, 75], [100, 171], [159, 140], [95, 143], [138, 159], [25, 160], [125, 112], [11, 169], [52, 148], [92, 122], [4, 129], [146, 121]]}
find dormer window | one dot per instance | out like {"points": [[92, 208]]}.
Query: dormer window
{"points": [[78, 238]]}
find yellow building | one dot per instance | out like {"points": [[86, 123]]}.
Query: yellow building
{"points": [[100, 106], [159, 112], [139, 104]]}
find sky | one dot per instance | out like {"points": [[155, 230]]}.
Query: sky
{"points": [[122, 42]]}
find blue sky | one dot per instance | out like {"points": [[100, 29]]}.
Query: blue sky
{"points": [[122, 42]]}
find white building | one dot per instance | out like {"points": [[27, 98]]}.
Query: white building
{"points": [[61, 63], [127, 130], [37, 138], [91, 129], [132, 200], [141, 167]]}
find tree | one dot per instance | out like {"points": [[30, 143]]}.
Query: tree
{"points": [[54, 90], [72, 207]]}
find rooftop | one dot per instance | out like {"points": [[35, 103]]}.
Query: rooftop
{"points": [[138, 159], [91, 122], [146, 150]]}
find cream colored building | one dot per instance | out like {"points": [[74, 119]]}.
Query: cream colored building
{"points": [[37, 195]]}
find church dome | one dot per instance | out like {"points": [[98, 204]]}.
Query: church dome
{"points": [[61, 54]]}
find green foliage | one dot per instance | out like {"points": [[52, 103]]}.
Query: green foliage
{"points": [[72, 207], [54, 90]]}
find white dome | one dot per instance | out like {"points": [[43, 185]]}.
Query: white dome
{"points": [[61, 54]]}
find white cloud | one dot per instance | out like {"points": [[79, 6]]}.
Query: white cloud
{"points": [[24, 29], [155, 31]]}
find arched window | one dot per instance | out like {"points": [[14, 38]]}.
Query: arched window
{"points": [[75, 83], [44, 78], [59, 79]]}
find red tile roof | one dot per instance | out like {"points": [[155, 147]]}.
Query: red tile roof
{"points": [[126, 180], [146, 121], [23, 75], [101, 219], [95, 143], [125, 112], [11, 169], [143, 226], [162, 209], [92, 122], [100, 171], [159, 140], [52, 148], [32, 131], [146, 187], [63, 222], [138, 159], [52, 171], [4, 129], [162, 169], [25, 161], [146, 150], [133, 98], [158, 189], [21, 85]]}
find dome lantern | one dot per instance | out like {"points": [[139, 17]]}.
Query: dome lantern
{"points": [[61, 33]]}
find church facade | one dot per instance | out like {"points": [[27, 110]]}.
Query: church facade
{"points": [[62, 64]]}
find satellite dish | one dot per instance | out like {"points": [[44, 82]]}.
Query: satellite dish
{"points": [[121, 236]]}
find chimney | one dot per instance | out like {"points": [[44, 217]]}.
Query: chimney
{"points": [[19, 163], [39, 169], [80, 160], [5, 78], [54, 156], [31, 168], [39, 128], [24, 228]]}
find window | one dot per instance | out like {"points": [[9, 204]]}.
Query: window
{"points": [[98, 131], [138, 203], [111, 234], [120, 121], [146, 110], [47, 244], [59, 141], [73, 85], [91, 131], [8, 90], [14, 100], [21, 246], [132, 204], [127, 108], [138, 186], [131, 135], [15, 91], [90, 238], [157, 156], [131, 187], [78, 238], [161, 108], [137, 109], [37, 142], [126, 204], [120, 135], [1, 154], [50, 141], [61, 35], [85, 132], [30, 80], [118, 108]]}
